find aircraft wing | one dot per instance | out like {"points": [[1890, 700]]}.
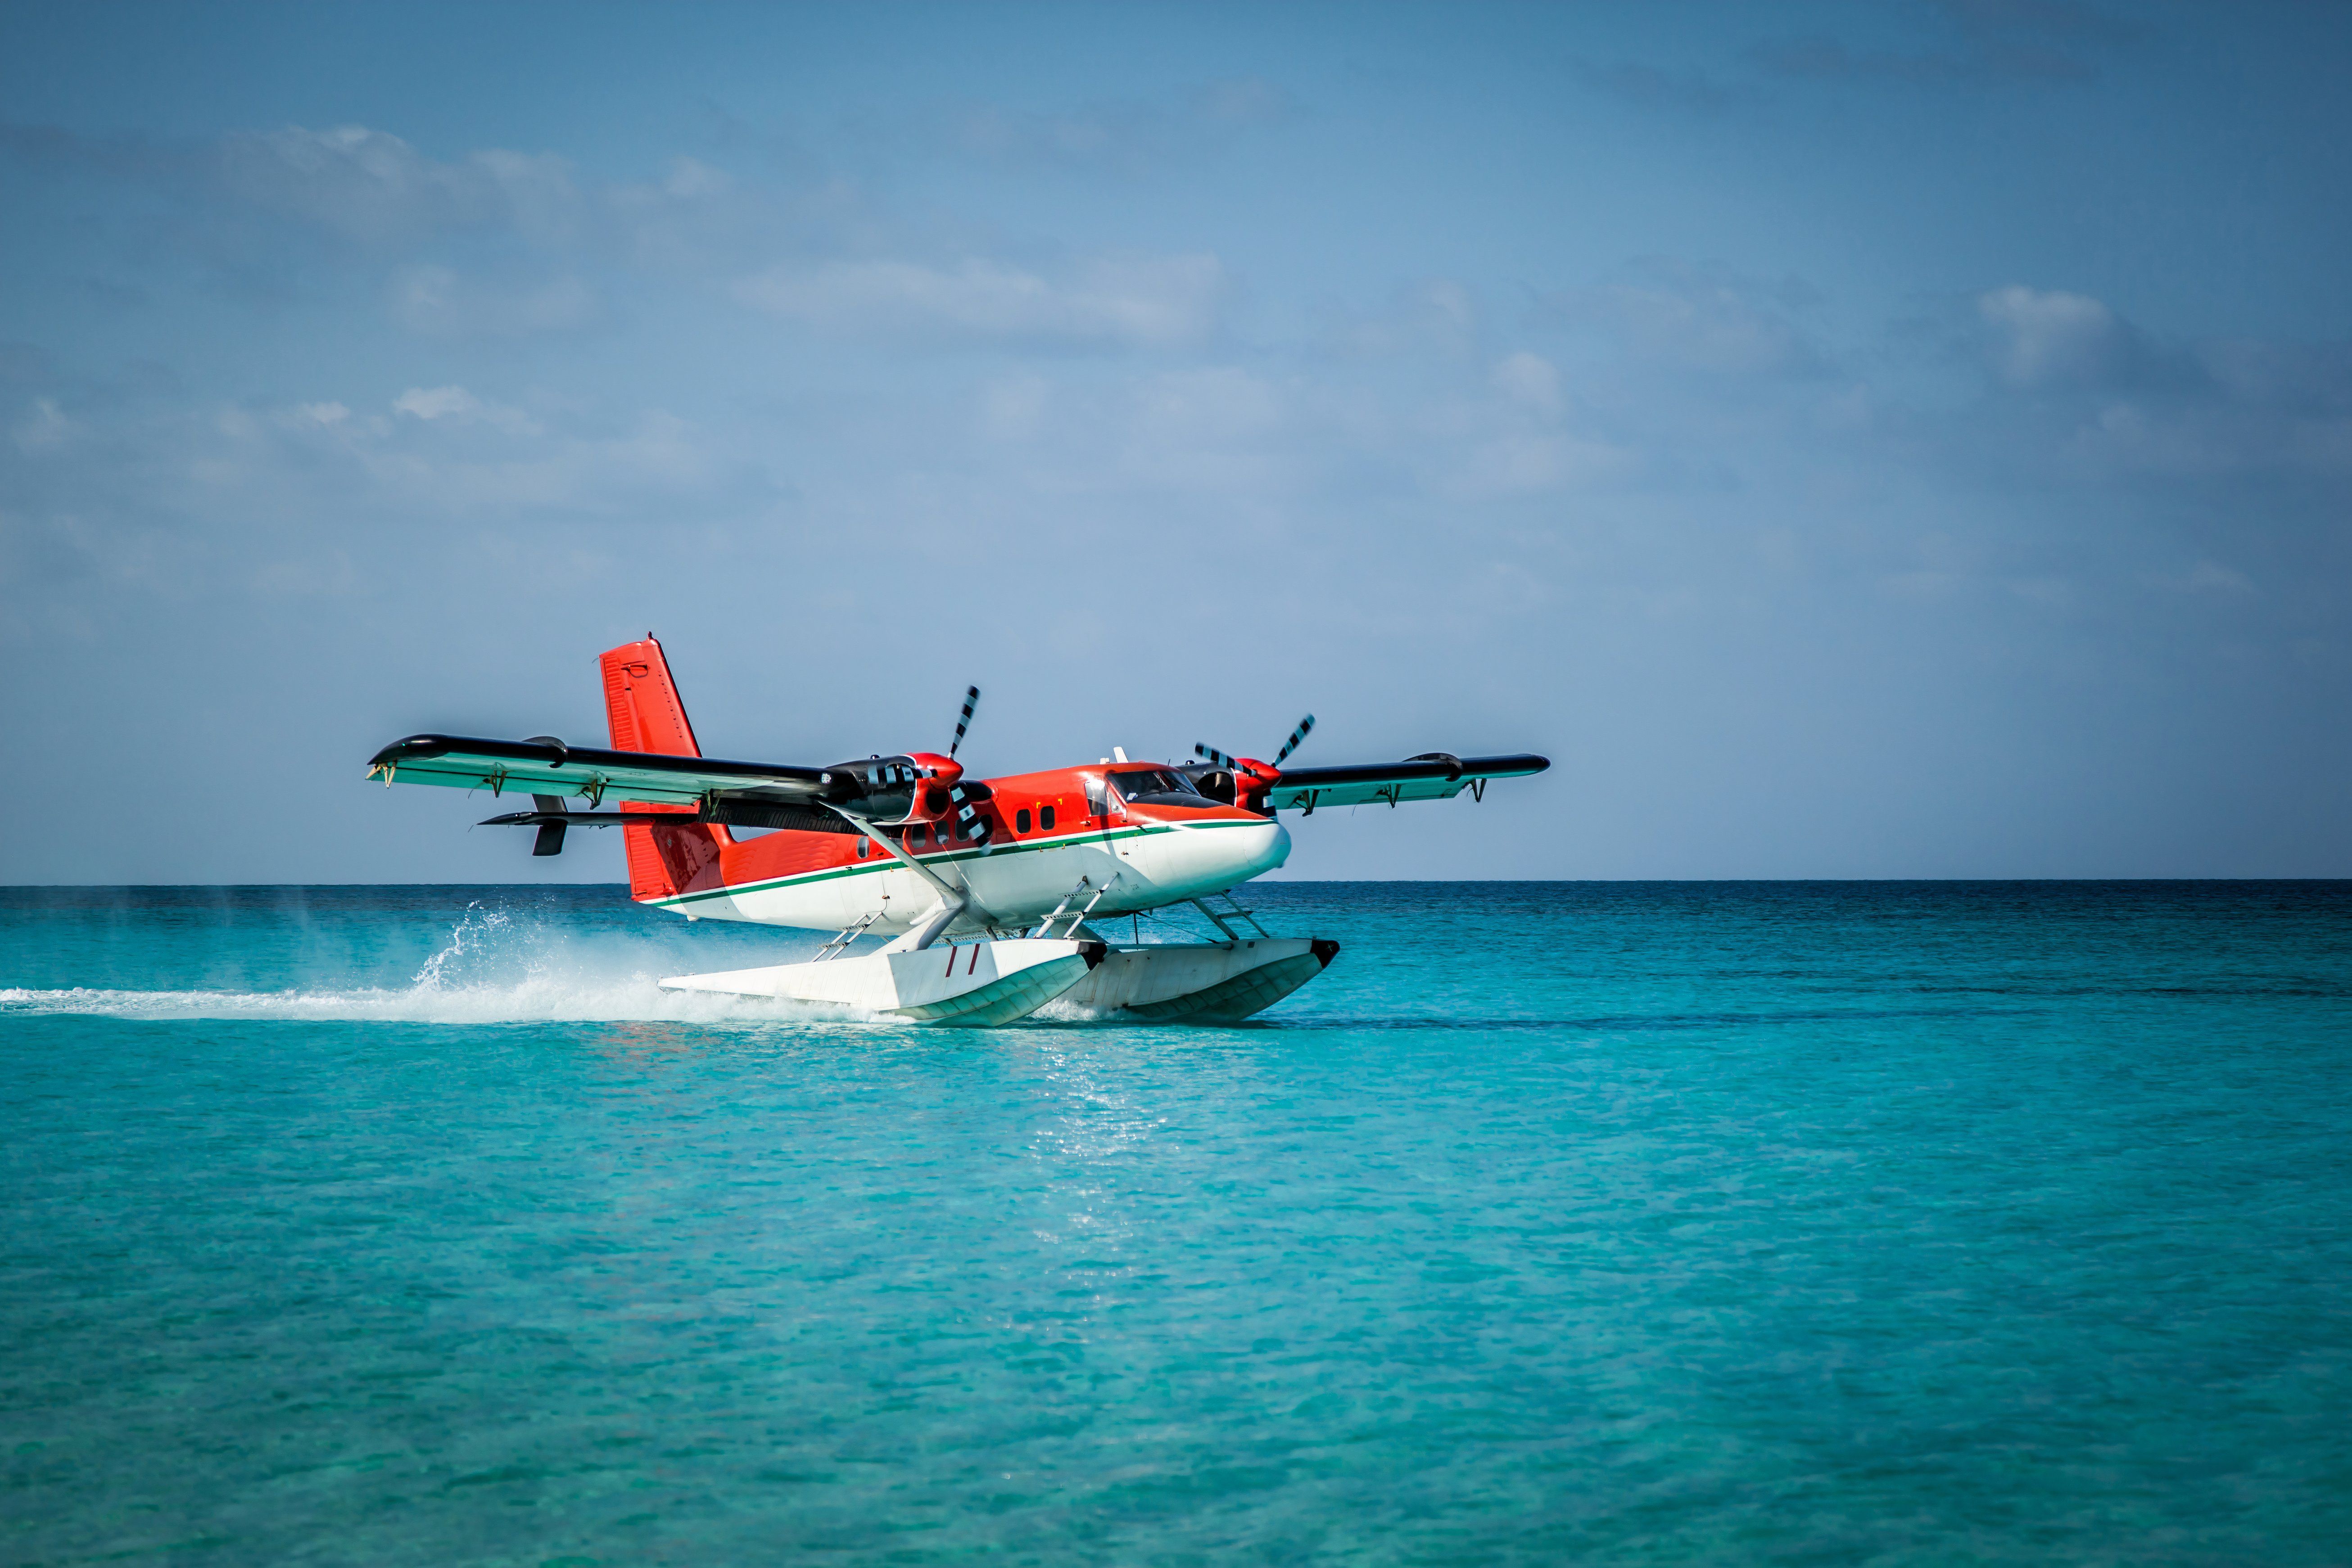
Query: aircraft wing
{"points": [[1433, 775], [545, 767]]}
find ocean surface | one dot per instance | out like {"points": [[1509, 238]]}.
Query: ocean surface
{"points": [[1835, 1223]]}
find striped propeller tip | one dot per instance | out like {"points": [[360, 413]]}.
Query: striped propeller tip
{"points": [[970, 701]]}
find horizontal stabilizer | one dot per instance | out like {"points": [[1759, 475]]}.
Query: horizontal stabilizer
{"points": [[590, 819], [550, 832]]}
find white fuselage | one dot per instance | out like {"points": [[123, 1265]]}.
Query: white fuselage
{"points": [[1145, 862]]}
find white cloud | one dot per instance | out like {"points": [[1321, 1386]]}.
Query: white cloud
{"points": [[436, 403], [1218, 403], [2053, 593], [1529, 379], [2212, 577], [691, 179], [1694, 319], [458, 407], [373, 187], [1216, 428], [1128, 136], [1518, 439], [2111, 404], [447, 451], [1125, 299], [440, 302], [1242, 100], [303, 578], [2045, 336], [1435, 315], [45, 430], [1523, 462], [1014, 408], [2204, 436]]}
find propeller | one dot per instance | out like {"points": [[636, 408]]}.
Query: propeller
{"points": [[1295, 736], [970, 823], [970, 701], [1222, 760]]}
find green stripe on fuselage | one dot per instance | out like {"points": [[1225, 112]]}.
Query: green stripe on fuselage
{"points": [[938, 856]]}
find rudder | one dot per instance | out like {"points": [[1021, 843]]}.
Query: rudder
{"points": [[641, 702], [644, 713]]}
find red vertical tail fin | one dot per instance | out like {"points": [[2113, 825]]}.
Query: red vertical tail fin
{"points": [[641, 702], [643, 709]]}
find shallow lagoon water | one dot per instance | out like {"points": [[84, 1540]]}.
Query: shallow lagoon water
{"points": [[1779, 1223]]}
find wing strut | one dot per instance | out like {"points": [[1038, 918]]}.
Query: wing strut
{"points": [[952, 902]]}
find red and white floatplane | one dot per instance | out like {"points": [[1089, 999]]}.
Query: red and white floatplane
{"points": [[995, 892]]}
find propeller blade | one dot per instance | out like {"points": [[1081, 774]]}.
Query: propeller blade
{"points": [[970, 823], [970, 701], [1211, 755], [1295, 736]]}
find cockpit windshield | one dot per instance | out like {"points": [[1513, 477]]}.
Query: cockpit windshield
{"points": [[1149, 783]]}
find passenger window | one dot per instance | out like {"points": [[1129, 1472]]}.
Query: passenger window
{"points": [[865, 846], [922, 835], [1020, 820], [1046, 819]]}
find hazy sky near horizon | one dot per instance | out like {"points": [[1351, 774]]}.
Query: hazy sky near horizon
{"points": [[1869, 440]]}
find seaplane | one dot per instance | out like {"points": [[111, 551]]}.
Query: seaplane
{"points": [[995, 895]]}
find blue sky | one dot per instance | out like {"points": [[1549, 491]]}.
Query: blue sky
{"points": [[1851, 441]]}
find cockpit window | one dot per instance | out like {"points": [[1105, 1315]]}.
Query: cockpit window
{"points": [[1147, 780], [1156, 785]]}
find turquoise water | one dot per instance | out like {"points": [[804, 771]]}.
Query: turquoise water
{"points": [[1605, 1222]]}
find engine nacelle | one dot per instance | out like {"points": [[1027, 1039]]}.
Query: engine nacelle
{"points": [[1253, 782], [1234, 780], [935, 796], [890, 791]]}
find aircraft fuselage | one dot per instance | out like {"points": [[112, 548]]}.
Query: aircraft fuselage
{"points": [[1047, 832]]}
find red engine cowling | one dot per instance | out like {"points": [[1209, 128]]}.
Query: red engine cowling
{"points": [[1253, 782], [934, 798]]}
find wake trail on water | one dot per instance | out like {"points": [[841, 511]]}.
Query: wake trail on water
{"points": [[494, 969], [617, 1001]]}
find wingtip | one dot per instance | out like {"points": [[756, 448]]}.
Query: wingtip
{"points": [[408, 748]]}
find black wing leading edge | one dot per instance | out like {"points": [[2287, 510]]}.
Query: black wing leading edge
{"points": [[1432, 775]]}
